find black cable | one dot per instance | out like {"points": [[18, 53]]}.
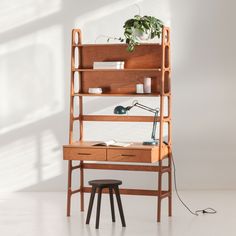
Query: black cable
{"points": [[208, 210]]}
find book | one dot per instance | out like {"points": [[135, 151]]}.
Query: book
{"points": [[108, 65], [112, 143]]}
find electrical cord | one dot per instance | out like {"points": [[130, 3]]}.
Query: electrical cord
{"points": [[207, 210]]}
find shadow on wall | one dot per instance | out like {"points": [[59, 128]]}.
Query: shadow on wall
{"points": [[26, 83], [35, 49]]}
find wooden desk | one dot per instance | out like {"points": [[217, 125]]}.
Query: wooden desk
{"points": [[136, 152]]}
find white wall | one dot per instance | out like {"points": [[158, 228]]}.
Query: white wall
{"points": [[34, 90], [204, 55]]}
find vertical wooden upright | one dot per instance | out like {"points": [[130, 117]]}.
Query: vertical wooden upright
{"points": [[75, 40], [167, 77], [165, 82]]}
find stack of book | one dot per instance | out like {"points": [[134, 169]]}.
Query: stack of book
{"points": [[113, 143], [109, 65]]}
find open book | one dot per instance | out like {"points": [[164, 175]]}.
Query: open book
{"points": [[112, 143]]}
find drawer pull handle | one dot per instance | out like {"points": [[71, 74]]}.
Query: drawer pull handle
{"points": [[82, 153]]}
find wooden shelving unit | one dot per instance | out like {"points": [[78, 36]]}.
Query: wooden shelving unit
{"points": [[148, 60]]}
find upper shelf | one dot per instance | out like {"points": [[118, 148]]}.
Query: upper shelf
{"points": [[117, 70], [113, 45]]}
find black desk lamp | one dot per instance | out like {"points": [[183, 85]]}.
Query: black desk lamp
{"points": [[120, 110]]}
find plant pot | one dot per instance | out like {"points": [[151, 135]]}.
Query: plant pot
{"points": [[140, 35]]}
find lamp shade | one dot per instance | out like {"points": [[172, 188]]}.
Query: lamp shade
{"points": [[120, 110]]}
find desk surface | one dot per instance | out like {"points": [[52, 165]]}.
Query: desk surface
{"points": [[90, 144]]}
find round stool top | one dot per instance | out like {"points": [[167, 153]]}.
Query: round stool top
{"points": [[105, 182]]}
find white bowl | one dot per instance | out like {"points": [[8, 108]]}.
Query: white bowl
{"points": [[95, 90]]}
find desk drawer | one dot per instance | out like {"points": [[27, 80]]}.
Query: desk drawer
{"points": [[83, 154], [129, 155]]}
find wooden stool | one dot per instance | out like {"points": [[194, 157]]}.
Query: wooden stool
{"points": [[100, 185]]}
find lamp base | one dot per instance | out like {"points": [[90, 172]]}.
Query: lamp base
{"points": [[151, 142]]}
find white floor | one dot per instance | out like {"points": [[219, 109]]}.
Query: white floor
{"points": [[43, 214]]}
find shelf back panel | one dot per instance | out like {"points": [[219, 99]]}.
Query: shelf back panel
{"points": [[143, 56], [119, 82]]}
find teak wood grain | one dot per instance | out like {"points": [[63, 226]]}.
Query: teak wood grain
{"points": [[91, 144], [142, 57], [136, 152], [120, 81], [133, 167], [89, 154], [119, 94], [143, 192], [119, 118]]}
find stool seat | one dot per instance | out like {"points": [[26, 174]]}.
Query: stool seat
{"points": [[97, 186], [105, 182]]}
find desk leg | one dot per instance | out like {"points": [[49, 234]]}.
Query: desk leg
{"points": [[69, 187], [159, 192], [81, 186], [170, 185]]}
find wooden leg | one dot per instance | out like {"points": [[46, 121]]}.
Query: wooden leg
{"points": [[81, 186], [170, 205], [98, 207], [170, 187], [90, 204], [159, 209], [112, 205], [117, 192], [159, 193], [69, 187]]}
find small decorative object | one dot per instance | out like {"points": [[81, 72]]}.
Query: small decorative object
{"points": [[141, 28], [147, 85], [120, 110], [139, 88], [95, 90]]}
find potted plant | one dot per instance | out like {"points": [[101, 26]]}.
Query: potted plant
{"points": [[140, 28]]}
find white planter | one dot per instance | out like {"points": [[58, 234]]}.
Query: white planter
{"points": [[141, 36]]}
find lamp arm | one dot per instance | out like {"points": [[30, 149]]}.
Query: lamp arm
{"points": [[154, 127], [155, 111], [145, 107]]}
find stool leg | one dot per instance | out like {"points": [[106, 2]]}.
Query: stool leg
{"points": [[112, 204], [90, 204], [98, 207], [120, 205]]}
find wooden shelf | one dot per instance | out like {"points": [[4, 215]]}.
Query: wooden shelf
{"points": [[125, 167], [112, 44], [143, 192], [118, 70], [120, 118], [119, 95]]}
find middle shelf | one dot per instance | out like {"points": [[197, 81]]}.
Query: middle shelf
{"points": [[121, 94], [120, 82]]}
